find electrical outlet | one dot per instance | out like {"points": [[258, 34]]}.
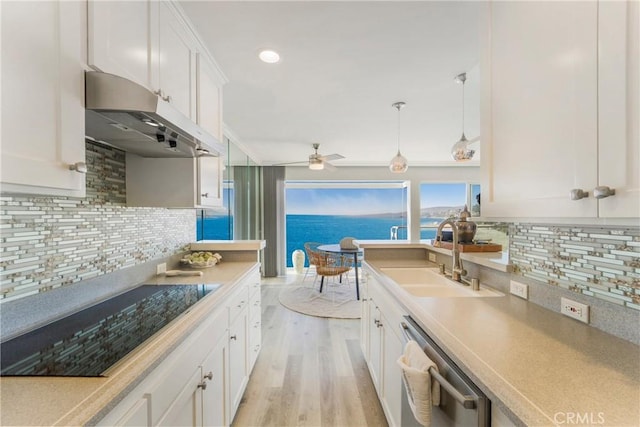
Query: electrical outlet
{"points": [[574, 309], [161, 268], [432, 257], [519, 289]]}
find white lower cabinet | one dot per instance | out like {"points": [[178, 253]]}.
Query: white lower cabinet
{"points": [[255, 321], [381, 328], [201, 383], [238, 371], [186, 408], [214, 368]]}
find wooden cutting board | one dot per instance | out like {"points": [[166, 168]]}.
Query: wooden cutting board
{"points": [[471, 247]]}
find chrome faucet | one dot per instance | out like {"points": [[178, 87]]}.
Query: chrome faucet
{"points": [[457, 271]]}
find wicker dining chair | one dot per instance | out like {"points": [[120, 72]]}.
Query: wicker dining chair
{"points": [[331, 265], [311, 249]]}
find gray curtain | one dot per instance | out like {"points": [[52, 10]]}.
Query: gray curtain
{"points": [[274, 262]]}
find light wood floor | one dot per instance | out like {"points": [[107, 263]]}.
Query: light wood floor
{"points": [[310, 371]]}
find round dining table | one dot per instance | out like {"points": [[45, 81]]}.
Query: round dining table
{"points": [[335, 248]]}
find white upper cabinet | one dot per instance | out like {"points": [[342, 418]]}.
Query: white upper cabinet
{"points": [[123, 39], [42, 125], [618, 107], [210, 181], [209, 100], [554, 117], [177, 56], [152, 43], [174, 183]]}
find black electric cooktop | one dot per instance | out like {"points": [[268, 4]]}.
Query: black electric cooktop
{"points": [[87, 343]]}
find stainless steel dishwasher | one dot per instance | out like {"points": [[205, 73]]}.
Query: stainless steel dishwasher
{"points": [[461, 401]]}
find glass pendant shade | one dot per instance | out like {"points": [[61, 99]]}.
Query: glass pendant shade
{"points": [[398, 164], [461, 151]]}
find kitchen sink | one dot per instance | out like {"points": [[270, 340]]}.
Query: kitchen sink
{"points": [[428, 282]]}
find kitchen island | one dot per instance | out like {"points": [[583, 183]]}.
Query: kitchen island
{"points": [[537, 366], [87, 400]]}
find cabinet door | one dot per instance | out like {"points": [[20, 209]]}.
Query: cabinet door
{"points": [[42, 125], [123, 39], [209, 97], [137, 416], [186, 409], [365, 322], [392, 375], [539, 109], [618, 107], [375, 344], [210, 181], [214, 412], [237, 361], [177, 61]]}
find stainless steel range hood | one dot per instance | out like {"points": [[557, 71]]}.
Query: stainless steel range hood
{"points": [[127, 116]]}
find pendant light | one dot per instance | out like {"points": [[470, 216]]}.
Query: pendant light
{"points": [[399, 162], [460, 150]]}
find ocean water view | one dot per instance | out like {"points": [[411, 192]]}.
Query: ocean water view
{"points": [[324, 229]]}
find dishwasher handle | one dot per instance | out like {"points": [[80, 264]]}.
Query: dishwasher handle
{"points": [[468, 402]]}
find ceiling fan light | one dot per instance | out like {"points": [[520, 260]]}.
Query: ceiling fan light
{"points": [[399, 164], [461, 151], [316, 164]]}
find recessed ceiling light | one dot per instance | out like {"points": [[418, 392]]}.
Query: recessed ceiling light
{"points": [[269, 56]]}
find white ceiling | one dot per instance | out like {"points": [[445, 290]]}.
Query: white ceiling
{"points": [[343, 65]]}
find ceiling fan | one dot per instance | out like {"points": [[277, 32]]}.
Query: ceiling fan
{"points": [[317, 161]]}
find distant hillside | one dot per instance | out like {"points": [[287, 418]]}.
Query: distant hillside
{"points": [[441, 211]]}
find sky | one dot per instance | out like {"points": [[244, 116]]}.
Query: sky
{"points": [[341, 201]]}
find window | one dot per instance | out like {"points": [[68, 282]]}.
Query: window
{"points": [[327, 211], [439, 201]]}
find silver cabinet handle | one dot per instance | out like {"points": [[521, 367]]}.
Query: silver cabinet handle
{"points": [[205, 195], [233, 337], [577, 194], [80, 167], [603, 191], [159, 93], [167, 98], [202, 385], [209, 375]]}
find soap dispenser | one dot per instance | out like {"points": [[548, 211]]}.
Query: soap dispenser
{"points": [[466, 229]]}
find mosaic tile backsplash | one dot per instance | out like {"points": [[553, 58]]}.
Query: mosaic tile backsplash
{"points": [[48, 242], [600, 262]]}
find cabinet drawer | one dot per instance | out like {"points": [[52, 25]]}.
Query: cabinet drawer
{"points": [[255, 341], [254, 285], [255, 309], [238, 303]]}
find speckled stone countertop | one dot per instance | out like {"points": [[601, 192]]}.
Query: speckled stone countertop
{"points": [[67, 401], [540, 367]]}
